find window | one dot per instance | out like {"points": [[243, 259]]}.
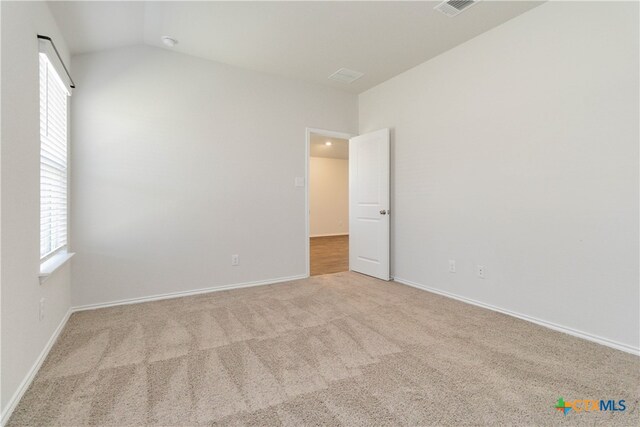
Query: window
{"points": [[53, 160]]}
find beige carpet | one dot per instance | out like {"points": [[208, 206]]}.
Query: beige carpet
{"points": [[340, 349]]}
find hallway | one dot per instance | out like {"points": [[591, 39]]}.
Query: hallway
{"points": [[329, 254]]}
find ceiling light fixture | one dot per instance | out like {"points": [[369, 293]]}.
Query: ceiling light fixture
{"points": [[169, 41], [328, 143]]}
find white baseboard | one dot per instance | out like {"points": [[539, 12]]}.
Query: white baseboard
{"points": [[26, 382], [329, 235], [187, 293], [584, 335]]}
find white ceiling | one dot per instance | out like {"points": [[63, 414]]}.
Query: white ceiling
{"points": [[339, 148], [301, 40], [89, 26]]}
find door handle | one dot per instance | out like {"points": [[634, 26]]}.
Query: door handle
{"points": [[383, 212]]}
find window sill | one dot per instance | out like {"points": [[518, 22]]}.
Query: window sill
{"points": [[52, 264]]}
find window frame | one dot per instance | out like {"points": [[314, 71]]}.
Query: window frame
{"points": [[53, 77]]}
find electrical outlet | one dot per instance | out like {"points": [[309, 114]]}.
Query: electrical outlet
{"points": [[235, 259], [452, 266], [480, 270], [41, 310]]}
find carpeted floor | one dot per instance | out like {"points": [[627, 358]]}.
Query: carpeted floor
{"points": [[340, 349]]}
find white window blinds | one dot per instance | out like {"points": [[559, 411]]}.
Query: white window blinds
{"points": [[53, 159]]}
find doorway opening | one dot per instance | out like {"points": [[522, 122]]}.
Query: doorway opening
{"points": [[327, 202]]}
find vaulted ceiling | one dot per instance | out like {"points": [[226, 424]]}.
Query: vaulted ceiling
{"points": [[300, 40]]}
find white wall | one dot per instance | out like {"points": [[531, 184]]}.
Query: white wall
{"points": [[178, 163], [518, 150], [328, 196], [23, 336]]}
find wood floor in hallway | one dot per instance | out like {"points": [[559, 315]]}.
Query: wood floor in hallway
{"points": [[329, 254]]}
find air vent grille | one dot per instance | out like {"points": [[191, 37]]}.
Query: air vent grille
{"points": [[452, 8], [345, 75]]}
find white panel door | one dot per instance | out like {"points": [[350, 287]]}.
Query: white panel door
{"points": [[369, 204]]}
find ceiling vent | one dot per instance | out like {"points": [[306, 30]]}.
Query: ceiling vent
{"points": [[452, 8], [345, 75]]}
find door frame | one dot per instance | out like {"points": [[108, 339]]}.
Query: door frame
{"points": [[307, 151]]}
